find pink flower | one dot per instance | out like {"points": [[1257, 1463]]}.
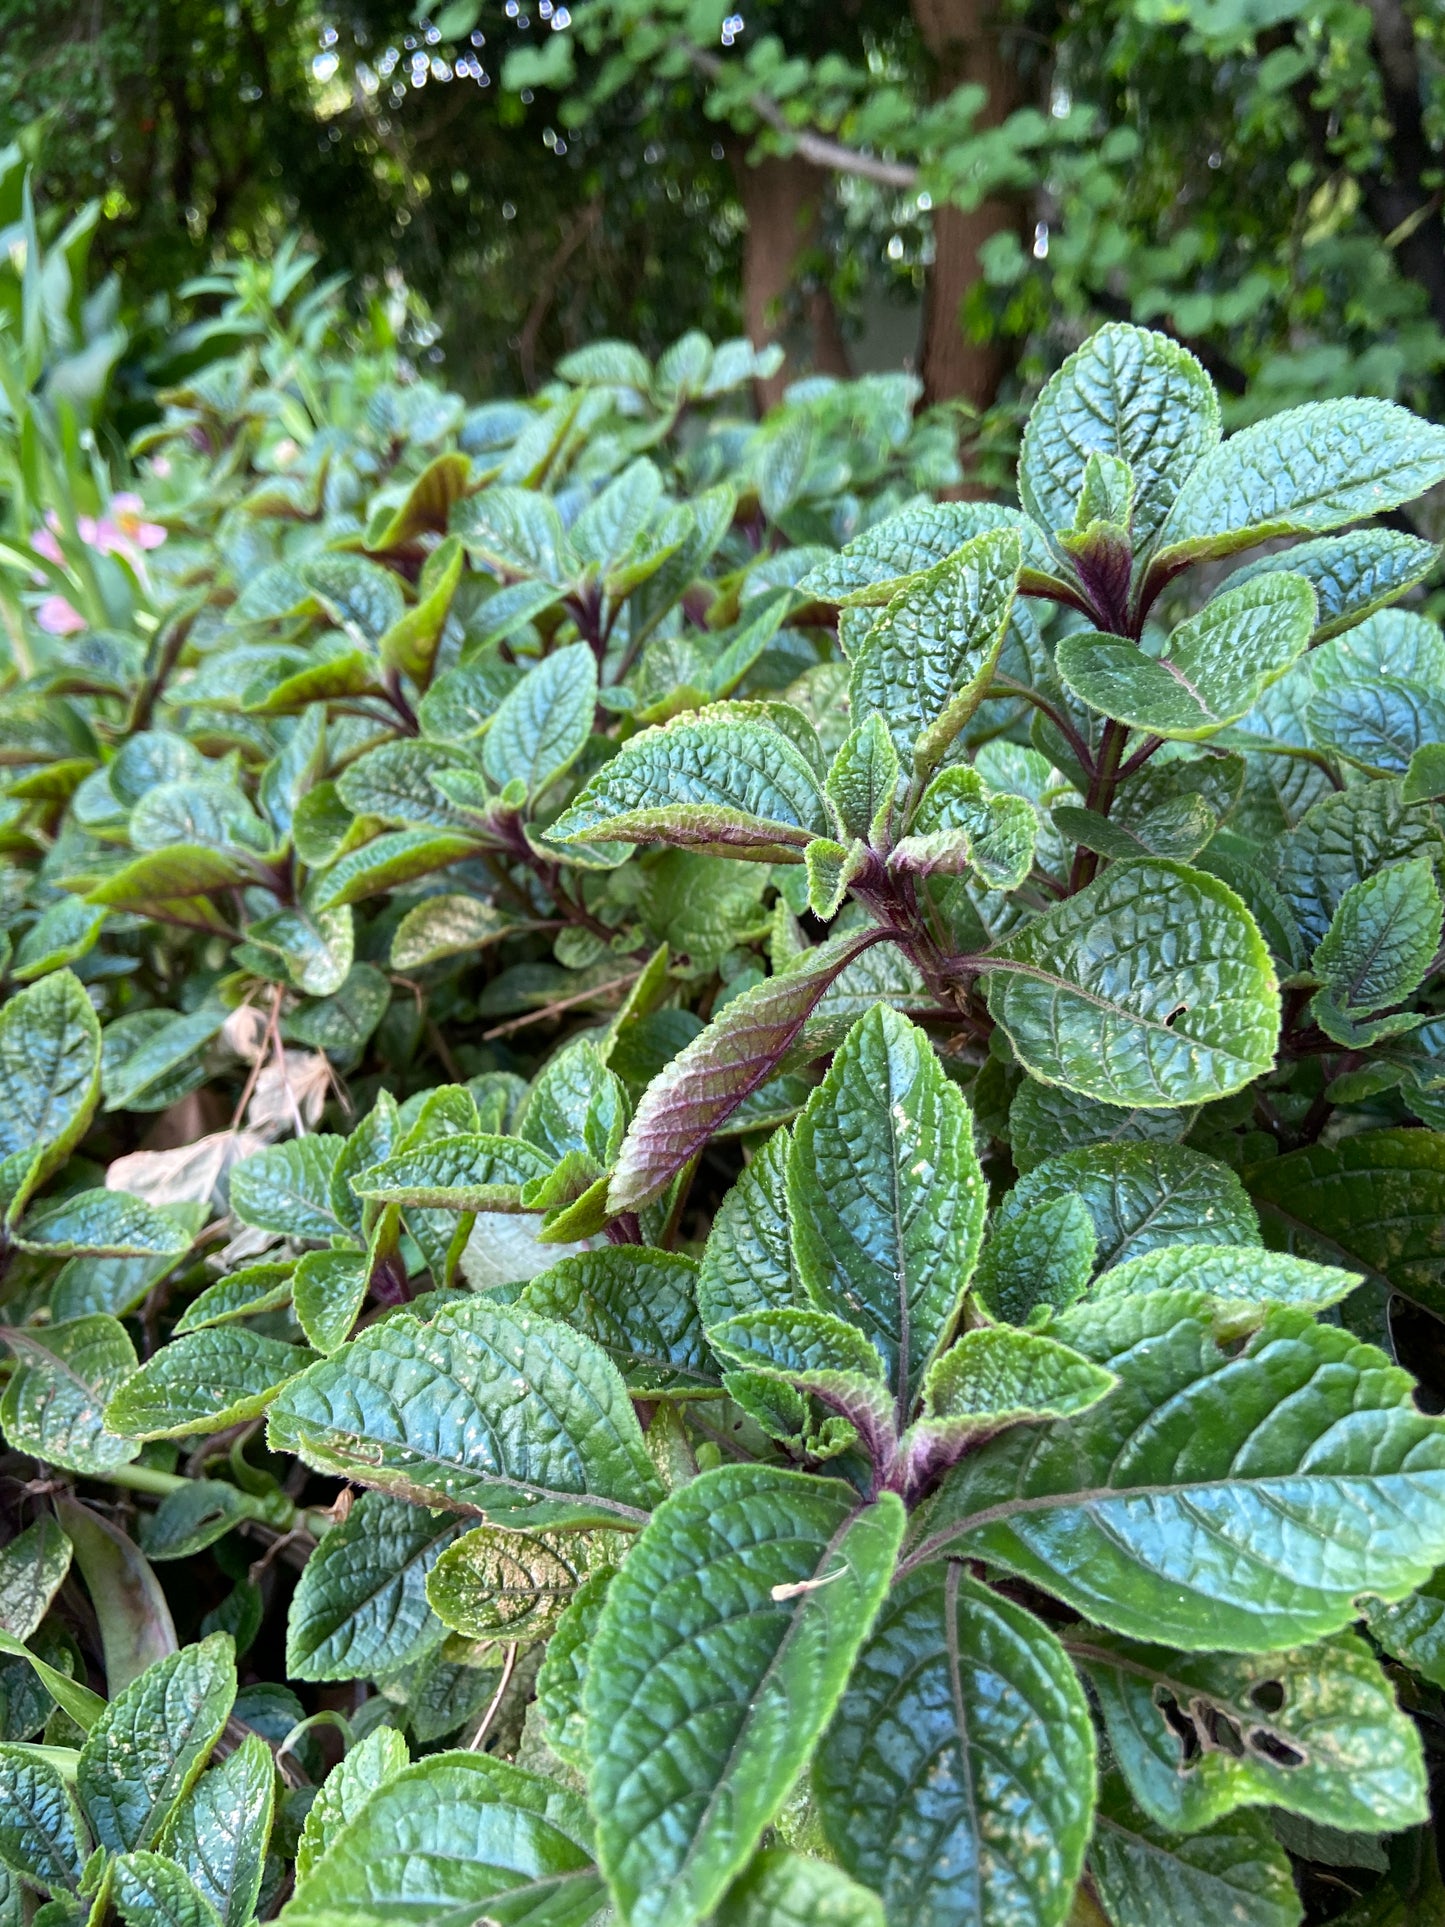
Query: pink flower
{"points": [[127, 522], [57, 618], [44, 543]]}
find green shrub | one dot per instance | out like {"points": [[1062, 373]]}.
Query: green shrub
{"points": [[780, 1133]]}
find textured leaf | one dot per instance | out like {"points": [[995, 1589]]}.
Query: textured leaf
{"points": [[442, 1413], [1152, 987], [1344, 838], [190, 1518], [1373, 1203], [886, 1195], [144, 1752], [960, 824], [1382, 937], [516, 530], [1214, 670], [454, 1839], [782, 1889], [706, 1691], [496, 1583], [862, 781], [1141, 1196], [1043, 1120], [1180, 1510], [204, 1382], [1413, 1631], [287, 1188], [1232, 1873], [1042, 1255], [346, 1789], [957, 1777], [872, 568], [748, 1264], [705, 1083], [329, 1288], [152, 1891], [103, 1224], [360, 1605], [542, 725], [638, 1305], [251, 1289], [387, 862], [42, 1834], [1352, 575], [1240, 1273], [1302, 472], [219, 1833], [49, 1071], [472, 1171], [993, 1376], [562, 1678], [33, 1566], [1316, 1731], [441, 927], [928, 659], [54, 1404], [728, 782], [1128, 393]]}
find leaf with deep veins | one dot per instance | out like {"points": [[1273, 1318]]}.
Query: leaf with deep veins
{"points": [[724, 1644], [1213, 1499], [446, 1413]]}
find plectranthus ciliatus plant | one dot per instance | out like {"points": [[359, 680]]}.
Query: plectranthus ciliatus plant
{"points": [[803, 1190]]}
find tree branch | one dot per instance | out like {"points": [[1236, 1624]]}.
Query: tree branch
{"points": [[834, 156]]}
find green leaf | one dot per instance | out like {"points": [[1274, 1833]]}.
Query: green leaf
{"points": [[960, 825], [152, 1891], [706, 1690], [1214, 670], [252, 1289], [144, 1752], [748, 1264], [562, 1678], [724, 780], [957, 1778], [204, 1382], [135, 1623], [1241, 1274], [499, 1584], [445, 927], [542, 726], [1372, 1203], [1231, 1872], [83, 1706], [287, 1188], [886, 1195], [316, 950], [1344, 838], [473, 1171], [410, 645], [386, 862], [182, 870], [1413, 1631], [1042, 1255], [103, 1224], [454, 1839], [1382, 937], [370, 1764], [870, 569], [360, 1605], [1302, 472], [365, 599], [1352, 575], [49, 1073], [442, 1412], [191, 1517], [1247, 1497], [33, 1566], [863, 780], [704, 1084], [639, 1306], [994, 1376], [42, 1834], [66, 930], [64, 1374], [927, 660], [1128, 393], [1043, 1120], [219, 1833], [329, 1289], [1140, 1196], [1104, 998], [1316, 1731], [782, 1889], [393, 783], [516, 530], [175, 1043]]}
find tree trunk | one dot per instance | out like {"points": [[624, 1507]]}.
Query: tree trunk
{"points": [[963, 39], [782, 200]]}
